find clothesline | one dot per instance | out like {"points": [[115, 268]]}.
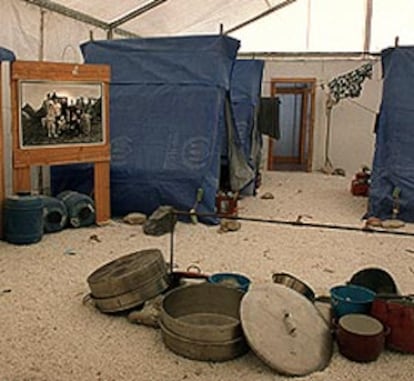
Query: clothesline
{"points": [[362, 106]]}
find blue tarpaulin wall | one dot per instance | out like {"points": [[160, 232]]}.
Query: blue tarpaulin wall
{"points": [[393, 165], [245, 92], [166, 120], [6, 55]]}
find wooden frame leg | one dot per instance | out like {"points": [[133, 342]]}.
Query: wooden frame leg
{"points": [[22, 179], [102, 192]]}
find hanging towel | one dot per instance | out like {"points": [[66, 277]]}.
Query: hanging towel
{"points": [[268, 118]]}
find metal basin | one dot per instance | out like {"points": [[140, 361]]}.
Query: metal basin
{"points": [[202, 321]]}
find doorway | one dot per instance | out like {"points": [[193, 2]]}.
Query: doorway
{"points": [[293, 151]]}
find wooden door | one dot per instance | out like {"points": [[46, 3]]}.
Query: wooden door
{"points": [[293, 151]]}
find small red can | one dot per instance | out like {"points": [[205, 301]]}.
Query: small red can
{"points": [[226, 203]]}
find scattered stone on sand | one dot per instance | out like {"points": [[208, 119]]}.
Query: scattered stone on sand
{"points": [[339, 172], [392, 224], [227, 225], [160, 222], [94, 237], [267, 196], [149, 314], [135, 218]]}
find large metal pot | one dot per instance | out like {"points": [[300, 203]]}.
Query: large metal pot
{"points": [[360, 337], [202, 322], [398, 314], [376, 279], [294, 283]]}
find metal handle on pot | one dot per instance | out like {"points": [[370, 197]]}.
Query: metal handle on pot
{"points": [[194, 268], [387, 330], [289, 324]]}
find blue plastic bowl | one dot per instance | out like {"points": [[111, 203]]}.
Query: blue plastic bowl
{"points": [[348, 299], [231, 279]]}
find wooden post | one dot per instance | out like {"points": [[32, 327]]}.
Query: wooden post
{"points": [[102, 192], [2, 169], [21, 179]]}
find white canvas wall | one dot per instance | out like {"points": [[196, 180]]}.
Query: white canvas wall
{"points": [[352, 126], [352, 137], [21, 33]]}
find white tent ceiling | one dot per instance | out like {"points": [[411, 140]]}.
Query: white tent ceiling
{"points": [[172, 17], [264, 25], [260, 25]]}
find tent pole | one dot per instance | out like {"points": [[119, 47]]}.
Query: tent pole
{"points": [[79, 16], [40, 169], [368, 25], [134, 14], [261, 15]]}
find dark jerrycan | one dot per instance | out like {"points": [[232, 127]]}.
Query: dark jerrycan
{"points": [[55, 214], [81, 208], [23, 218]]}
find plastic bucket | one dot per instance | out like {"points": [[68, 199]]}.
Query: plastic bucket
{"points": [[55, 214], [351, 299], [80, 207], [235, 280], [23, 219]]}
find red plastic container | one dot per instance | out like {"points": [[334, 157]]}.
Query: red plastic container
{"points": [[397, 313], [359, 188]]}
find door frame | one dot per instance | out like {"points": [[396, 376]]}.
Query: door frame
{"points": [[304, 129]]}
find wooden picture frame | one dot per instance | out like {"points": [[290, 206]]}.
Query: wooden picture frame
{"points": [[2, 164], [47, 147]]}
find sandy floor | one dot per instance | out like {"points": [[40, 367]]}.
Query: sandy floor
{"points": [[46, 333]]}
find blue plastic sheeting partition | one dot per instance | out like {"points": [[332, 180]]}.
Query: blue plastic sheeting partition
{"points": [[245, 91], [6, 55], [201, 60], [393, 165], [166, 112]]}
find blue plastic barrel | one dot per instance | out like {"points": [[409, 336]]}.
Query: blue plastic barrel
{"points": [[23, 219], [80, 207], [55, 214]]}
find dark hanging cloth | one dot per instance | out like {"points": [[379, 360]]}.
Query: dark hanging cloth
{"points": [[268, 117], [350, 84]]}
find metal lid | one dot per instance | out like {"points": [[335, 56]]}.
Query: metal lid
{"points": [[285, 330]]}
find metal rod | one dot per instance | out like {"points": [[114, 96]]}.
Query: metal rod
{"points": [[79, 16], [137, 12], [302, 55], [172, 243], [297, 223], [368, 25]]}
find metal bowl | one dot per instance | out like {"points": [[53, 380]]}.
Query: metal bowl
{"points": [[294, 283]]}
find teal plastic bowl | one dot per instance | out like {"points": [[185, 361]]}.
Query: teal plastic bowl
{"points": [[235, 280], [350, 299]]}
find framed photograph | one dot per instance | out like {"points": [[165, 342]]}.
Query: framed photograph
{"points": [[58, 114]]}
